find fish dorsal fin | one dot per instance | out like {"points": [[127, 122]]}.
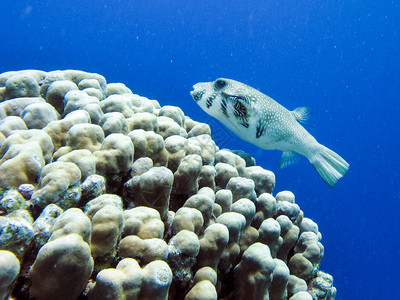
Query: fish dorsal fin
{"points": [[302, 114], [288, 158]]}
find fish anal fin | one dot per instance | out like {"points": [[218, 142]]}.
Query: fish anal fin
{"points": [[302, 114], [288, 158]]}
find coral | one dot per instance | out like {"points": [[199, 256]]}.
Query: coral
{"points": [[206, 145], [38, 115], [93, 186], [23, 155], [10, 124], [173, 112], [198, 129], [14, 107], [242, 188], [187, 218], [212, 245], [56, 92], [143, 250], [205, 273], [224, 198], [117, 88], [280, 280], [107, 225], [168, 127], [235, 223], [308, 255], [322, 286], [68, 258], [72, 221], [82, 136], [145, 121], [289, 234], [43, 225], [264, 180], [207, 177], [246, 208], [117, 103], [224, 173], [99, 202], [16, 232], [270, 235], [144, 222], [71, 78], [12, 200], [265, 208], [123, 282], [9, 269], [230, 158], [250, 161], [149, 144], [59, 129], [183, 249], [301, 296], [186, 176], [59, 184], [157, 278], [203, 203], [129, 281], [115, 157], [23, 84], [203, 290], [152, 189], [253, 275], [296, 285], [75, 100], [105, 194], [184, 243], [83, 159]]}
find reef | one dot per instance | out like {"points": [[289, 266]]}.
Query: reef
{"points": [[105, 194]]}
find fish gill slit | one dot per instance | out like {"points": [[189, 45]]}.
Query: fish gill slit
{"points": [[224, 108]]}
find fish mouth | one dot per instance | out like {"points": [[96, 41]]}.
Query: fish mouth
{"points": [[196, 94]]}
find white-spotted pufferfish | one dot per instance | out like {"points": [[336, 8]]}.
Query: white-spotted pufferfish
{"points": [[258, 119]]}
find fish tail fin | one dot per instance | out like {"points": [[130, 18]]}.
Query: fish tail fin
{"points": [[329, 165]]}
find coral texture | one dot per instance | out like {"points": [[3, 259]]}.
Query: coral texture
{"points": [[105, 194]]}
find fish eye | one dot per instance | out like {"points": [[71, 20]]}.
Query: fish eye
{"points": [[219, 84]]}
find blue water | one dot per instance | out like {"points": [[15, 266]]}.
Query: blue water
{"points": [[340, 57]]}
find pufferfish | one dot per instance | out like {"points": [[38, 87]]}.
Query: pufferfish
{"points": [[260, 120]]}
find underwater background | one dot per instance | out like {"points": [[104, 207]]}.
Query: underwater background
{"points": [[339, 57]]}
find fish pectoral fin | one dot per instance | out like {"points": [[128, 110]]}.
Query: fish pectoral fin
{"points": [[302, 114], [288, 158]]}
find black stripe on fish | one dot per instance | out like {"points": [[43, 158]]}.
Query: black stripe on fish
{"points": [[209, 102], [245, 124], [260, 128], [224, 108]]}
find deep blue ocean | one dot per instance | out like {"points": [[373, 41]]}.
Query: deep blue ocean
{"points": [[342, 58]]}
